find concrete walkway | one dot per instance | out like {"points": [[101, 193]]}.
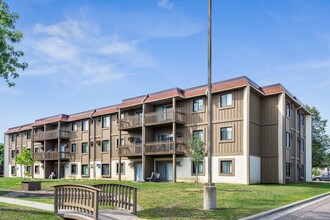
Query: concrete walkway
{"points": [[108, 214]]}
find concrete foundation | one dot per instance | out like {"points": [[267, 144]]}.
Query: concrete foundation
{"points": [[210, 197]]}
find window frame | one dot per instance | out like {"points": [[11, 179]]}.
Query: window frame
{"points": [[28, 135], [232, 160], [85, 127], [203, 167], [287, 165], [82, 170], [13, 154], [107, 120], [198, 131], [287, 109], [75, 144], [75, 165], [232, 133], [74, 126], [108, 174], [36, 171], [108, 148], [232, 100], [123, 165], [13, 168], [288, 139], [82, 151], [198, 110]]}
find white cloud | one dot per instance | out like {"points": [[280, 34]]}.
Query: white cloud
{"points": [[70, 53], [165, 4]]}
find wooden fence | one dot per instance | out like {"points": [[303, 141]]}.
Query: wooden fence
{"points": [[118, 195], [78, 198]]}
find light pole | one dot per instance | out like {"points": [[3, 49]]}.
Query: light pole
{"points": [[210, 196]]}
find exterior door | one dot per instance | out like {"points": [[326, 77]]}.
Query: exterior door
{"points": [[164, 168], [138, 171]]}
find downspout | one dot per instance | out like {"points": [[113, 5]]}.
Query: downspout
{"points": [[297, 123], [22, 167], [143, 138], [94, 143]]}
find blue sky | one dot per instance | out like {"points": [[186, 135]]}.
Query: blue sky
{"points": [[89, 54]]}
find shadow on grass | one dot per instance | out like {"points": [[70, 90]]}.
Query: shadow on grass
{"points": [[161, 212], [10, 211]]}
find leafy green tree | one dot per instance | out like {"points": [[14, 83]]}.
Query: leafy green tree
{"points": [[196, 152], [9, 59], [320, 140], [1, 156], [25, 159]]}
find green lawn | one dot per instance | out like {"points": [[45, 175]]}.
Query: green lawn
{"points": [[13, 212], [177, 200]]}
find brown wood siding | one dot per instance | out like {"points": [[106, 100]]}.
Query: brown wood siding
{"points": [[255, 124], [269, 170]]}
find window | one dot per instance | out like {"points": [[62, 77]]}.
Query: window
{"points": [[28, 170], [227, 167], [36, 169], [198, 133], [74, 169], [198, 105], [36, 150], [105, 146], [84, 147], [122, 142], [105, 122], [13, 137], [74, 126], [287, 139], [287, 169], [301, 171], [105, 170], [199, 168], [122, 168], [302, 119], [84, 125], [13, 153], [13, 170], [226, 100], [302, 145], [226, 133], [84, 169], [28, 135], [287, 109], [74, 148]]}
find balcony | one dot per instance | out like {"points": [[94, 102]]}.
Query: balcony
{"points": [[130, 150], [52, 155], [130, 122], [158, 118], [51, 134], [163, 147]]}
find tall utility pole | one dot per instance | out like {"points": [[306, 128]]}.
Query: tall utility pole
{"points": [[210, 196]]}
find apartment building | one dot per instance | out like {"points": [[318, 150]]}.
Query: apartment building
{"points": [[260, 135]]}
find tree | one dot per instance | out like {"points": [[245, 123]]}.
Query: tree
{"points": [[1, 157], [26, 160], [320, 140], [196, 152], [9, 59]]}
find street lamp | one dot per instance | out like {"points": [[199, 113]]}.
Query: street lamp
{"points": [[210, 196]]}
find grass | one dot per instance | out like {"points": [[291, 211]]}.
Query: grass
{"points": [[176, 200], [13, 212]]}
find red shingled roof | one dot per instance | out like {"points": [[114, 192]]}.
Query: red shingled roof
{"points": [[175, 92]]}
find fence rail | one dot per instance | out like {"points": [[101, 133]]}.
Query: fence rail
{"points": [[130, 150], [130, 121], [164, 117], [163, 147], [51, 155], [79, 198], [118, 195], [51, 134]]}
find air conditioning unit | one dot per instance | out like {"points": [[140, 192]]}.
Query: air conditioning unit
{"points": [[179, 163], [131, 113], [99, 119], [131, 139]]}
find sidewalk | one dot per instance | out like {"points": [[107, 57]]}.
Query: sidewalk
{"points": [[289, 209], [107, 214]]}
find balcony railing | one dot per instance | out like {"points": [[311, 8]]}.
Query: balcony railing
{"points": [[131, 121], [163, 147], [130, 150], [164, 117], [51, 134], [51, 155]]}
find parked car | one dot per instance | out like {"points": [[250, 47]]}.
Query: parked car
{"points": [[323, 177]]}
